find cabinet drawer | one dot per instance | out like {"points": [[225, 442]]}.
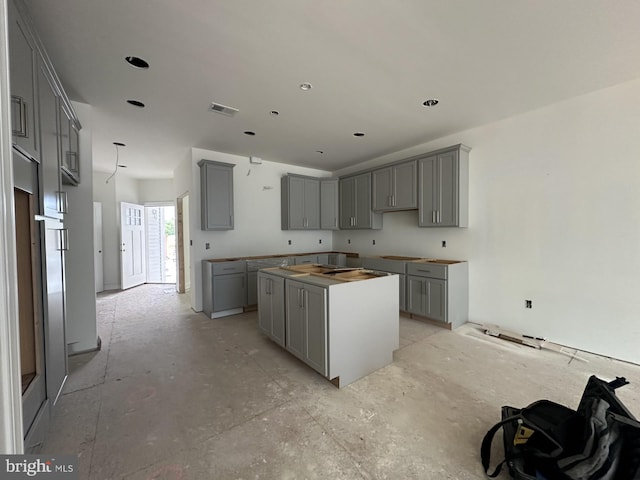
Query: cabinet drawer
{"points": [[302, 259], [431, 270], [224, 268]]}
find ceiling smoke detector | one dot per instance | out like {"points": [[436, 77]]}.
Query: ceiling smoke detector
{"points": [[223, 109]]}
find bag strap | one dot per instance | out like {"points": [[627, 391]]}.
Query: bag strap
{"points": [[485, 448]]}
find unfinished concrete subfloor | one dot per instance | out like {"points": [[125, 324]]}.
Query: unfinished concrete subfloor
{"points": [[176, 395]]}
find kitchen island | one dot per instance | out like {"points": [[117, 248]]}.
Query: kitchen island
{"points": [[342, 322]]}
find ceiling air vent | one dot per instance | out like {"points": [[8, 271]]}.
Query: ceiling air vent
{"points": [[223, 109]]}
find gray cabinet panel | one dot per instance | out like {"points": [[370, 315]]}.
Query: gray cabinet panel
{"points": [[443, 188], [395, 187], [216, 190], [229, 291], [53, 201], [54, 300], [295, 336], [314, 305], [252, 288], [402, 281], [329, 204], [416, 295], [355, 203], [436, 298], [23, 57], [271, 308], [302, 259], [300, 203]]}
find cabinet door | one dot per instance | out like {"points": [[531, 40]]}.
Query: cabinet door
{"points": [[276, 289], [311, 204], [265, 319], [363, 201], [53, 200], [402, 280], [23, 64], [329, 204], [54, 299], [295, 336], [252, 288], [347, 202], [382, 181], [428, 178], [228, 291], [405, 186], [296, 201], [216, 184], [447, 189], [68, 147], [436, 307], [314, 306], [416, 295]]}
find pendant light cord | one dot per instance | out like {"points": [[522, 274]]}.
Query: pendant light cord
{"points": [[117, 163]]}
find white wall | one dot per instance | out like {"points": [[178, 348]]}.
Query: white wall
{"points": [[554, 217], [155, 191], [105, 193], [80, 307], [256, 214]]}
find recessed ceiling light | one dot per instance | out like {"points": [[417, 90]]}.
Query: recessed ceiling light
{"points": [[358, 134], [274, 113], [119, 144], [250, 133], [432, 102], [136, 103], [137, 62], [306, 86], [122, 166]]}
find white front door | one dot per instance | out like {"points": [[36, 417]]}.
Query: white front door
{"points": [[97, 246], [132, 245]]}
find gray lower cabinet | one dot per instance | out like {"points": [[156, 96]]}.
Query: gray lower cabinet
{"points": [[427, 297], [255, 264], [355, 203], [444, 188], [216, 195], [306, 325], [439, 291], [224, 287], [271, 308], [252, 288], [302, 259], [300, 203], [395, 187], [329, 202]]}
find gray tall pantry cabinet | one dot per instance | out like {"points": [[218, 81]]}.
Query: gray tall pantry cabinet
{"points": [[216, 195], [42, 122]]}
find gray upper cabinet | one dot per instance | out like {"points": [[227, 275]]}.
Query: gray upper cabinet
{"points": [[216, 190], [355, 203], [300, 203], [53, 200], [444, 188], [329, 213], [23, 65], [69, 146], [395, 187]]}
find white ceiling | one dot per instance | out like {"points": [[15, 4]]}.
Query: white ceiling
{"points": [[371, 63]]}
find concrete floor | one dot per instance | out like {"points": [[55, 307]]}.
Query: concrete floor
{"points": [[175, 395]]}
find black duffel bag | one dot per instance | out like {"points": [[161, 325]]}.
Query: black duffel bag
{"points": [[546, 440]]}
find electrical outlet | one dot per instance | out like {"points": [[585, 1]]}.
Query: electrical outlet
{"points": [[320, 241], [374, 242], [207, 246], [528, 304], [349, 241], [444, 243], [289, 242]]}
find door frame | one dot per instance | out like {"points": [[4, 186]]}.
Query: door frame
{"points": [[175, 211], [180, 280], [11, 431]]}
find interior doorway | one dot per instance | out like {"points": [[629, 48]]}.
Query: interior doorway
{"points": [[160, 231]]}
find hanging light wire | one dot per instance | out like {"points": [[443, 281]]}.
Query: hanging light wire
{"points": [[117, 144]]}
